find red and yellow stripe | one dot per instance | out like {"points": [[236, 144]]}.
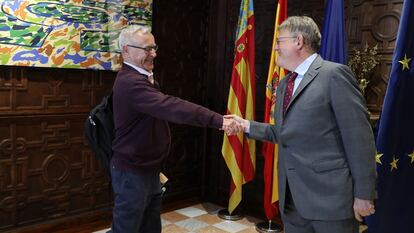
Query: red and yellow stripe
{"points": [[239, 151], [269, 150]]}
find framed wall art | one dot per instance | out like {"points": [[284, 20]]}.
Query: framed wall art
{"points": [[78, 34]]}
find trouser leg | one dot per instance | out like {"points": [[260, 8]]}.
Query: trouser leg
{"points": [[136, 195], [293, 222]]}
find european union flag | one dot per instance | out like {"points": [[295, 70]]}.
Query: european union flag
{"points": [[333, 46], [395, 139]]}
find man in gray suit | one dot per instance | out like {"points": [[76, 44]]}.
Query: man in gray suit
{"points": [[326, 162]]}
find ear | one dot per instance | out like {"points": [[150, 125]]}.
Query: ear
{"points": [[125, 49], [300, 41]]}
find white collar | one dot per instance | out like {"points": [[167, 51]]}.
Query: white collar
{"points": [[304, 66], [140, 70]]}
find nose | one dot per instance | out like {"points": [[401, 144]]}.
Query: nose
{"points": [[153, 53]]}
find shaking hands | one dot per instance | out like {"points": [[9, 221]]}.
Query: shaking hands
{"points": [[233, 125]]}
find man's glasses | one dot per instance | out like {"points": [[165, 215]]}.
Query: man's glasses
{"points": [[278, 39], [147, 49]]}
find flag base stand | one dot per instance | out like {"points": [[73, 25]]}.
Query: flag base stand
{"points": [[224, 214], [266, 227]]}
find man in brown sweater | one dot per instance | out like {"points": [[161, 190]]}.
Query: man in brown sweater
{"points": [[142, 135]]}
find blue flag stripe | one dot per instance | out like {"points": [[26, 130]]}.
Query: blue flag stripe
{"points": [[333, 44]]}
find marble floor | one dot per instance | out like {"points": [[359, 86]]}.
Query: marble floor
{"points": [[202, 218]]}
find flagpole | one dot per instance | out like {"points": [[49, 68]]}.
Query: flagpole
{"points": [[270, 151], [268, 227], [239, 152], [234, 216]]}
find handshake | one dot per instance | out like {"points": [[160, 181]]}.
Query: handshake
{"points": [[233, 125]]}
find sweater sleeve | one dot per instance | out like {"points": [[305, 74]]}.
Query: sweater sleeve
{"points": [[149, 100]]}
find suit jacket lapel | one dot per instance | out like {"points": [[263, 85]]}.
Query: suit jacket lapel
{"points": [[307, 78]]}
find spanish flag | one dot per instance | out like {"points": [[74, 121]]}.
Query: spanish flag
{"points": [[239, 151], [270, 150]]}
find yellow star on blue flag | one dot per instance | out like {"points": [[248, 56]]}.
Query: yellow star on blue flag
{"points": [[412, 157], [378, 158], [394, 164], [405, 62]]}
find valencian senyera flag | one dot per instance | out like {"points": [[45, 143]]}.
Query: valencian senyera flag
{"points": [[239, 151], [333, 45], [395, 139], [270, 150]]}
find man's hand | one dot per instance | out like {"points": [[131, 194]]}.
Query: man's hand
{"points": [[233, 124], [363, 208]]}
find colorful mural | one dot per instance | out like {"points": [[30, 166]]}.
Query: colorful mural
{"points": [[67, 33]]}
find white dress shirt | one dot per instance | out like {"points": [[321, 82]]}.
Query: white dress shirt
{"points": [[302, 69], [149, 75]]}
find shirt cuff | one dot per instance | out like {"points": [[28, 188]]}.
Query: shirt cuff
{"points": [[247, 129]]}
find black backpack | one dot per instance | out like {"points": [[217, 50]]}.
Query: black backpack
{"points": [[99, 131]]}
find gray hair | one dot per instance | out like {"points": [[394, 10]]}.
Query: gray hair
{"points": [[126, 35], [305, 26]]}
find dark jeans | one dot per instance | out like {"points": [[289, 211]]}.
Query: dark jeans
{"points": [[137, 203]]}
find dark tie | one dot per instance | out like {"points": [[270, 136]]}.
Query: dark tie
{"points": [[289, 91]]}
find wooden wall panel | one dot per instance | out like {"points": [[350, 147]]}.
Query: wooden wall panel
{"points": [[375, 23], [47, 171], [181, 31]]}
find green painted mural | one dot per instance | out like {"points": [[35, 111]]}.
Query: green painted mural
{"points": [[67, 33]]}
